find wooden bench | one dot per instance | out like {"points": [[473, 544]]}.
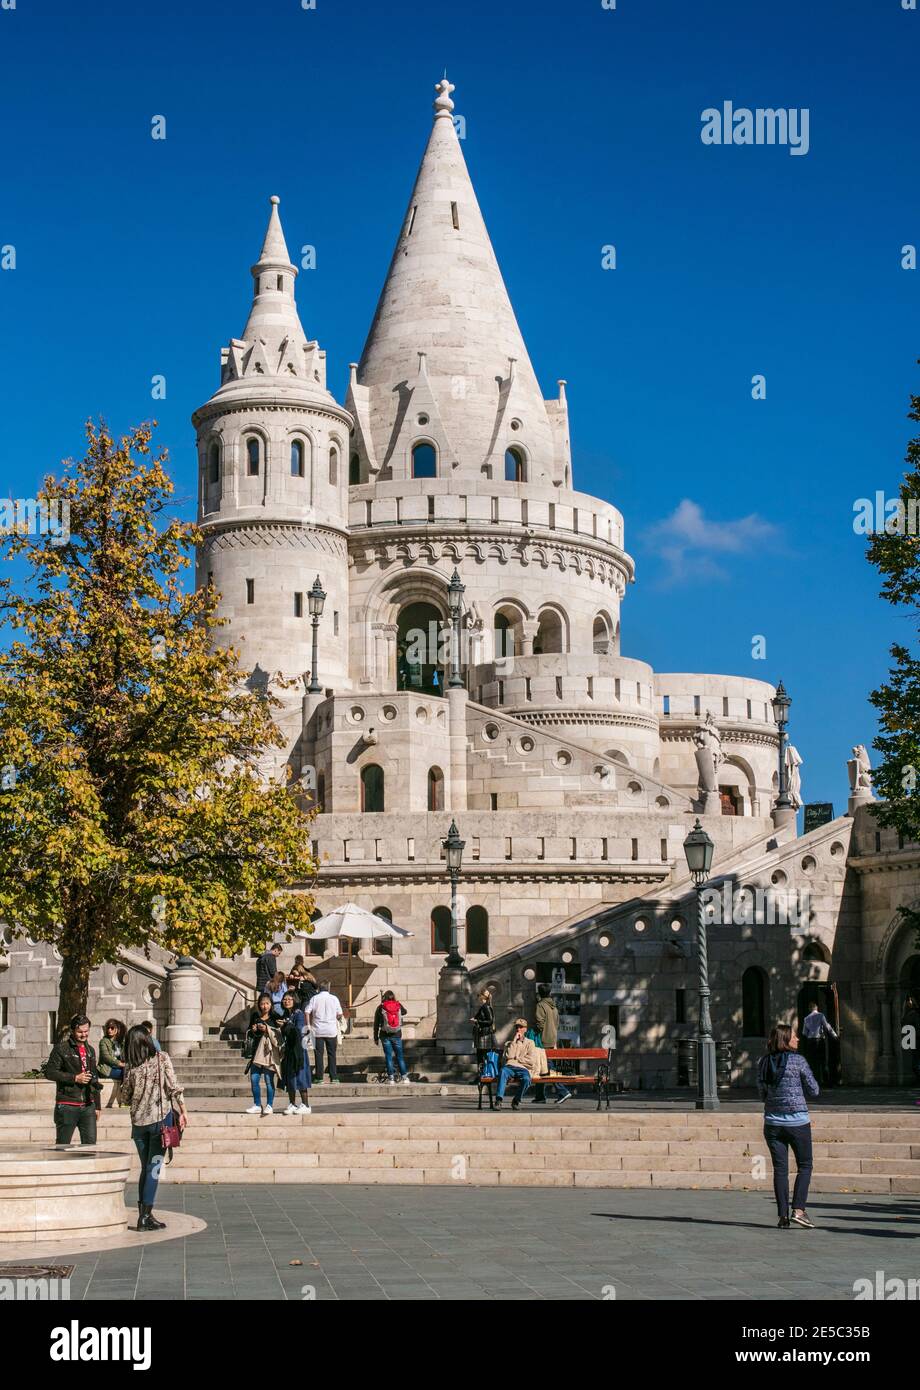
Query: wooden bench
{"points": [[600, 1079]]}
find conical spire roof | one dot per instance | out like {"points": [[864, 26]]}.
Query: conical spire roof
{"points": [[444, 296], [273, 358]]}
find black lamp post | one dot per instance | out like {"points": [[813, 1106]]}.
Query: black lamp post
{"points": [[781, 703], [315, 598], [455, 592], [454, 848], [698, 848]]}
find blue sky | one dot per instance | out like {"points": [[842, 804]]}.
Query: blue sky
{"points": [[583, 130]]}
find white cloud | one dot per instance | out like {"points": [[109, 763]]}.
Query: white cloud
{"points": [[690, 544]]}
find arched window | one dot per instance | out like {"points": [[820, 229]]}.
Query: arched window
{"points": [[477, 932], [354, 471], [253, 455], [753, 1003], [214, 462], [435, 789], [550, 633], [297, 459], [383, 945], [603, 645], [334, 466], [440, 931], [515, 468], [424, 461], [372, 788], [320, 791]]}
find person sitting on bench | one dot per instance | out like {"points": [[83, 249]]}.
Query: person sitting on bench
{"points": [[519, 1059]]}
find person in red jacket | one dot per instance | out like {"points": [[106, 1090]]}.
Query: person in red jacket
{"points": [[388, 1030]]}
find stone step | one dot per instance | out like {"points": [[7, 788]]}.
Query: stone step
{"points": [[638, 1149]]}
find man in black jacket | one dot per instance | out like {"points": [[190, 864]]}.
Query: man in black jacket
{"points": [[72, 1066], [266, 967]]}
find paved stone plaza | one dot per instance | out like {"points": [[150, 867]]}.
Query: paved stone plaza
{"points": [[410, 1243]]}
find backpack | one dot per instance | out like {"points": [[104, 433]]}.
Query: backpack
{"points": [[489, 1065], [391, 1016]]}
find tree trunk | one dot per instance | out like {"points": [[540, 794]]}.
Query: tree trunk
{"points": [[74, 990]]}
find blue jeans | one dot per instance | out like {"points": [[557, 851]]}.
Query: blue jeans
{"points": [[780, 1138], [149, 1145], [391, 1046], [255, 1076], [506, 1074]]}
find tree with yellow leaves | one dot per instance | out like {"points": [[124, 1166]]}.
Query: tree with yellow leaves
{"points": [[132, 806]]}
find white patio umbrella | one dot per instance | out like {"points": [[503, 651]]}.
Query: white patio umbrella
{"points": [[355, 924]]}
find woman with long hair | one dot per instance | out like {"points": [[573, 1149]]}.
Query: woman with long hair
{"points": [[151, 1089], [112, 1057], [263, 1050], [783, 1080], [295, 1065], [483, 1022]]}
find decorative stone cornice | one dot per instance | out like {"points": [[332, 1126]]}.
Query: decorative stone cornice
{"points": [[384, 875], [434, 541], [585, 717], [269, 403], [271, 535]]}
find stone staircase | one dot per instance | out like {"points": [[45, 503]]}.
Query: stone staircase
{"points": [[217, 1069], [856, 1150]]}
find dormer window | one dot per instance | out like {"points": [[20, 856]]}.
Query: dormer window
{"points": [[297, 459], [515, 468], [253, 456], [424, 461]]}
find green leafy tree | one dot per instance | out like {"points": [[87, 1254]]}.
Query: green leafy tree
{"points": [[132, 808], [895, 551]]}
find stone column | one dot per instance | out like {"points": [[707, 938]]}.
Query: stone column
{"points": [[183, 1032], [455, 1034], [529, 629], [456, 710]]}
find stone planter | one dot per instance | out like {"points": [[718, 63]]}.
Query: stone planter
{"points": [[35, 1094], [61, 1194]]}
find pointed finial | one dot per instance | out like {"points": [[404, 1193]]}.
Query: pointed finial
{"points": [[443, 105]]}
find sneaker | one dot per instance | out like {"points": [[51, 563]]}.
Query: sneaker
{"points": [[499, 1102], [783, 1223], [254, 1110], [515, 1105], [561, 1100], [391, 1080], [319, 1081], [335, 1081], [291, 1110], [801, 1219], [304, 1110], [268, 1110], [407, 1080]]}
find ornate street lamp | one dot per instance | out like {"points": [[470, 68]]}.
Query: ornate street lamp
{"points": [[315, 598], [781, 703], [698, 848], [454, 847], [455, 592]]}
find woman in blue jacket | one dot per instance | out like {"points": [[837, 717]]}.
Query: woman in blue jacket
{"points": [[783, 1080]]}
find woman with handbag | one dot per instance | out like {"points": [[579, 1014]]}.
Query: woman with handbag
{"points": [[154, 1095], [483, 1022], [295, 1065], [262, 1052], [112, 1057]]}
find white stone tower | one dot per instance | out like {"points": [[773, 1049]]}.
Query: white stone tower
{"points": [[273, 484]]}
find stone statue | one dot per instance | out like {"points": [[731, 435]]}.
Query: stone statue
{"points": [[793, 777], [709, 755], [860, 770]]}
